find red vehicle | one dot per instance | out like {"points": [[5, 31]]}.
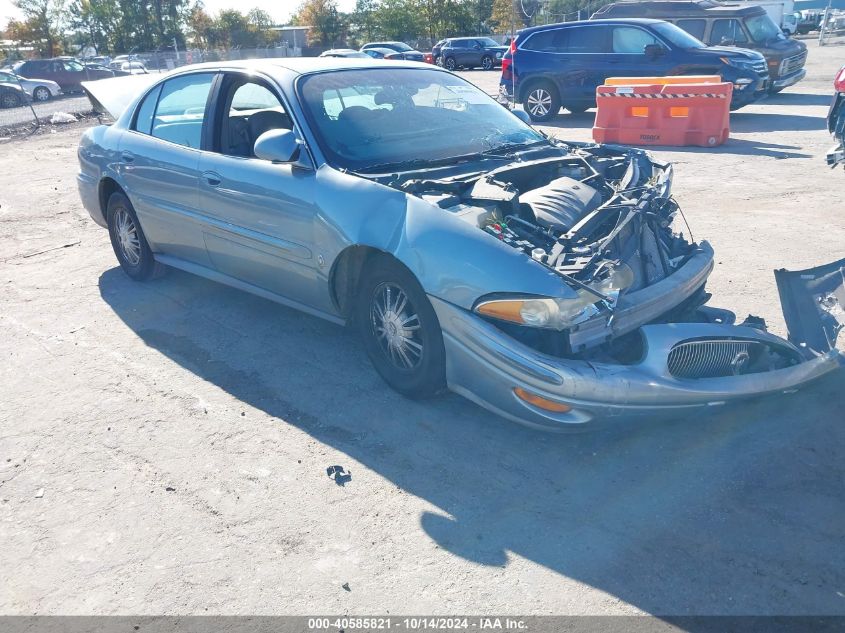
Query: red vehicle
{"points": [[836, 120]]}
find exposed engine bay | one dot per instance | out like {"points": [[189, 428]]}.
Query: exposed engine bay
{"points": [[587, 216]]}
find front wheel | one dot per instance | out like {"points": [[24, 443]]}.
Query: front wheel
{"points": [[10, 100], [400, 330], [542, 102], [41, 94], [487, 62], [450, 64]]}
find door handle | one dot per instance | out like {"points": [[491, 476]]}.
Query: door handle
{"points": [[212, 178], [127, 157]]}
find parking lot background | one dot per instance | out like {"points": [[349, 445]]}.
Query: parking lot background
{"points": [[164, 446]]}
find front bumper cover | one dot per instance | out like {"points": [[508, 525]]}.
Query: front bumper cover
{"points": [[789, 80], [485, 365]]}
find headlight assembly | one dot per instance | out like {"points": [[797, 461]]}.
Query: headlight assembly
{"points": [[557, 313]]}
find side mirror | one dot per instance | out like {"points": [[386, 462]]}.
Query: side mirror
{"points": [[278, 146], [653, 51], [522, 115]]}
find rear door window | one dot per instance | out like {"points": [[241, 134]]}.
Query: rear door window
{"points": [[182, 108], [146, 111], [551, 41], [587, 40], [629, 40], [695, 28], [727, 32]]}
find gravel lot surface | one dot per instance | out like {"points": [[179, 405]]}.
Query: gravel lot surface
{"points": [[22, 115], [164, 446]]}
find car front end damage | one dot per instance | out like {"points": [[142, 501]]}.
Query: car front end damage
{"points": [[630, 333]]}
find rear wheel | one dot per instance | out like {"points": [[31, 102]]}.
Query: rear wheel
{"points": [[487, 62], [128, 240], [449, 63], [41, 94], [542, 102], [400, 330]]}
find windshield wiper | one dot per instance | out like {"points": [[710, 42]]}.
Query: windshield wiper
{"points": [[509, 148]]}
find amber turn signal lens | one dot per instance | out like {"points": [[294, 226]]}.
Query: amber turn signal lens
{"points": [[541, 402], [504, 310]]}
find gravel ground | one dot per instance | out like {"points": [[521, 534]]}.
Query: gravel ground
{"points": [[164, 446], [15, 117]]}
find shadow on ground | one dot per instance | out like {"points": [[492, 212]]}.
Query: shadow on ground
{"points": [[737, 513]]}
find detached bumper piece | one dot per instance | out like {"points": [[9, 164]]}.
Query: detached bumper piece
{"points": [[685, 367]]}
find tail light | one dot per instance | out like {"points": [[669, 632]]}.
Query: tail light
{"points": [[839, 82], [507, 61]]}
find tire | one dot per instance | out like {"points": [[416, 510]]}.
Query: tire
{"points": [[128, 241], [10, 100], [400, 330], [41, 94], [449, 64], [487, 63], [577, 109], [541, 101]]}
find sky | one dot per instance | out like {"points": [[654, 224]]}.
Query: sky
{"points": [[279, 10]]}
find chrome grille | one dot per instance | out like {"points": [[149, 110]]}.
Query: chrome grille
{"points": [[760, 67], [791, 64], [711, 358]]}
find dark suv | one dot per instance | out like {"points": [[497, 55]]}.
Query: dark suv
{"points": [[471, 52], [562, 64], [723, 24], [65, 71]]}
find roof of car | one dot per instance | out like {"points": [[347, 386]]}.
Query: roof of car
{"points": [[622, 21], [304, 65], [674, 8]]}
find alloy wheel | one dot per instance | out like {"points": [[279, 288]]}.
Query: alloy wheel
{"points": [[539, 102], [9, 101], [396, 326], [450, 64], [127, 237], [41, 94], [487, 63]]}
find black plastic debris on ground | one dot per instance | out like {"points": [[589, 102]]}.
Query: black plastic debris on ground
{"points": [[339, 475]]}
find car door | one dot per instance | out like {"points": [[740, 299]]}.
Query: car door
{"points": [[259, 215], [73, 73], [583, 62], [727, 32], [628, 57], [159, 158]]}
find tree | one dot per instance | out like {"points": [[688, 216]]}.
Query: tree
{"points": [[42, 24], [260, 24], [503, 15], [325, 21], [200, 27]]}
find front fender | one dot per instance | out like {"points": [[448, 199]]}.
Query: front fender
{"points": [[452, 259]]}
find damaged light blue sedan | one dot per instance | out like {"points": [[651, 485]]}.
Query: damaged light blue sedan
{"points": [[542, 280]]}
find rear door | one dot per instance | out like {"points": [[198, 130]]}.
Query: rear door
{"points": [[586, 62], [159, 158]]}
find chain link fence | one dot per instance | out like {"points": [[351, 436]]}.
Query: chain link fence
{"points": [[832, 28]]}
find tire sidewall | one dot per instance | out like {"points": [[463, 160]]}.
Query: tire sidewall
{"points": [[146, 266], [429, 377]]}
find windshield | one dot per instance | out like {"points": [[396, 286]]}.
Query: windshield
{"points": [[677, 36], [370, 118], [762, 29]]}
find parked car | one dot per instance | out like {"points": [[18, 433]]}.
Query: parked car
{"points": [[405, 51], [836, 120], [435, 52], [561, 65], [133, 68], [39, 89], [343, 52], [809, 20], [65, 71], [382, 53], [540, 279], [472, 52], [723, 24], [12, 96]]}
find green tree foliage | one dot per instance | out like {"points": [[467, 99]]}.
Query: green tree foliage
{"points": [[42, 25]]}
